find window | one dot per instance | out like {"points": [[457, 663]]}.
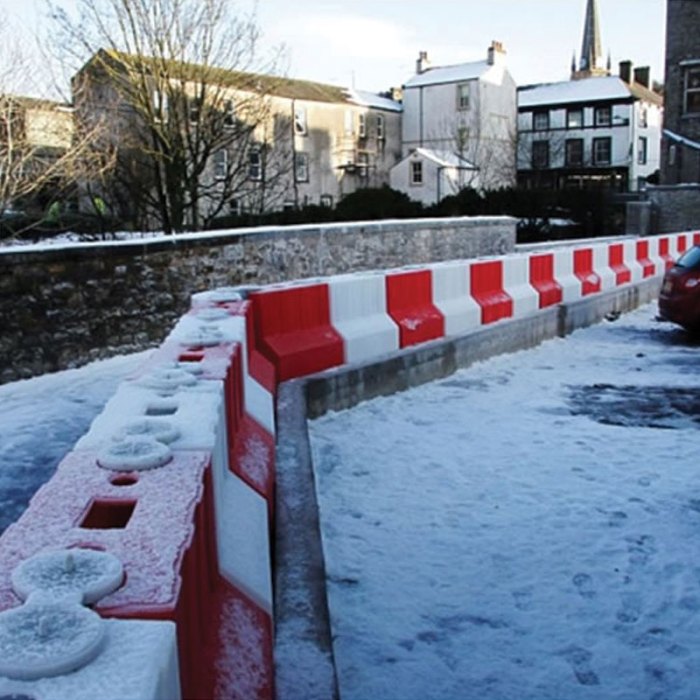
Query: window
{"points": [[234, 206], [194, 108], [574, 118], [540, 154], [463, 96], [540, 121], [327, 200], [644, 117], [301, 167], [363, 164], [229, 113], [362, 126], [603, 116], [255, 170], [299, 121], [220, 164], [691, 98], [574, 152], [417, 172], [642, 150], [380, 127], [602, 149]]}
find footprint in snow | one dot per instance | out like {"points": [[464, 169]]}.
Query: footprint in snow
{"points": [[580, 661], [584, 585]]}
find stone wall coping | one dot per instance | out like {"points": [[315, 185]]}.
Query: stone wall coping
{"points": [[162, 242]]}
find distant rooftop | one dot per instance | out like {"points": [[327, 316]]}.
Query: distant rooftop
{"points": [[586, 90]]}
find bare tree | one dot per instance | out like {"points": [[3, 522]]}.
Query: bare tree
{"points": [[191, 104], [42, 153]]}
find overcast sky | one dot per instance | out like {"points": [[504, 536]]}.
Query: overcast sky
{"points": [[374, 43]]}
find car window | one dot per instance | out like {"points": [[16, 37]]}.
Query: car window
{"points": [[690, 259]]}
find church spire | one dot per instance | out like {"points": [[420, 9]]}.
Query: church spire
{"points": [[591, 63]]}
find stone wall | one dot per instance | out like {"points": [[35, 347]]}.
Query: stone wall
{"points": [[675, 208], [62, 307]]}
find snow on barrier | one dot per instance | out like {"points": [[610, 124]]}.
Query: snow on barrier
{"points": [[410, 304], [160, 518]]}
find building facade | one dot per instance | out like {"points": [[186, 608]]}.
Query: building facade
{"points": [[598, 132], [458, 125], [680, 150]]}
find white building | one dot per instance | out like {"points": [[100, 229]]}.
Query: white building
{"points": [[595, 132], [459, 123]]}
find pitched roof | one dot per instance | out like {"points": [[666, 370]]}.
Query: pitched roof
{"points": [[445, 159], [449, 74], [290, 88], [586, 90]]}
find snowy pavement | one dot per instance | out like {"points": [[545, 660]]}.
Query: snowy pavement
{"points": [[40, 421], [526, 529]]}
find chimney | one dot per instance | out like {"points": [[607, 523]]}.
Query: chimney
{"points": [[626, 71], [496, 55], [642, 76], [423, 62]]}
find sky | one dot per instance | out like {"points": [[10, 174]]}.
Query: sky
{"points": [[373, 44]]}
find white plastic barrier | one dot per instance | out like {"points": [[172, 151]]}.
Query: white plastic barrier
{"points": [[601, 265], [564, 274], [358, 312], [516, 282], [452, 297]]}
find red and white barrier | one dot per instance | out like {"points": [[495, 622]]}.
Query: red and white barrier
{"points": [[358, 311], [486, 287], [451, 296], [410, 304], [175, 479], [516, 283]]}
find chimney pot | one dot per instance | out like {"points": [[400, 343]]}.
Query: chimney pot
{"points": [[642, 76], [626, 71], [423, 62], [496, 54]]}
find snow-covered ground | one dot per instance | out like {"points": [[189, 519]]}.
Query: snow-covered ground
{"points": [[40, 421], [526, 529]]}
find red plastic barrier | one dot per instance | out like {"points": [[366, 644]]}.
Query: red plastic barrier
{"points": [[487, 289], [696, 238], [292, 329], [542, 279], [410, 304], [647, 264], [168, 552], [681, 244], [583, 270], [616, 257], [665, 253]]}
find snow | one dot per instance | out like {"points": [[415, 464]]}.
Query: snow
{"points": [[370, 99], [41, 420], [449, 74], [526, 528], [604, 88]]}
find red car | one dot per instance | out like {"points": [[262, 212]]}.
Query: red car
{"points": [[679, 300]]}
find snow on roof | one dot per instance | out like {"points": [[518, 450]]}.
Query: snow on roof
{"points": [[586, 90], [370, 99], [449, 74], [447, 159]]}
